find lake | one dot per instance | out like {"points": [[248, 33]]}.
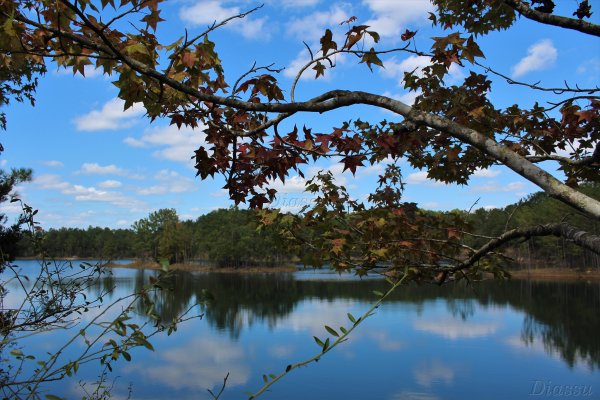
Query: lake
{"points": [[493, 340]]}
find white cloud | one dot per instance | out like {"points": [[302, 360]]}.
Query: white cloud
{"points": [[212, 360], [311, 318], [294, 184], [590, 67], [90, 71], [97, 169], [417, 178], [542, 55], [432, 373], [395, 69], [369, 170], [385, 341], [430, 205], [392, 17], [337, 170], [53, 163], [311, 27], [176, 144], [110, 184], [406, 98], [281, 351], [297, 64], [456, 329], [486, 173], [50, 181], [170, 182], [295, 3], [12, 208], [110, 117], [211, 11], [290, 195], [217, 193], [411, 395], [496, 187], [84, 193]]}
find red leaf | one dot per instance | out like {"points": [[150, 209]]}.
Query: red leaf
{"points": [[407, 35], [352, 162]]}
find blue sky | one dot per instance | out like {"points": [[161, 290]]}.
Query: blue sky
{"points": [[97, 165]]}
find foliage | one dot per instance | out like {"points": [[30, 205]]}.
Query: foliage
{"points": [[152, 231], [10, 235], [232, 238], [226, 237], [451, 131], [537, 209], [236, 237]]}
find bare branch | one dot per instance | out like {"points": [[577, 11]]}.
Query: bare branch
{"points": [[591, 161], [550, 19], [536, 86], [579, 237]]}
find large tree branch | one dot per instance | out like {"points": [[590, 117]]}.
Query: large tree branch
{"points": [[579, 237], [550, 19], [339, 98]]}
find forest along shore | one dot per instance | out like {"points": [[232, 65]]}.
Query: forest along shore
{"points": [[556, 274], [546, 274], [204, 268]]}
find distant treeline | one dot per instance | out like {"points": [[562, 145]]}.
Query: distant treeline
{"points": [[229, 237], [536, 209], [226, 237]]}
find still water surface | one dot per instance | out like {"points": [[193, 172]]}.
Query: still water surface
{"points": [[511, 340]]}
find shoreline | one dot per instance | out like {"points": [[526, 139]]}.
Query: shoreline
{"points": [[536, 274], [541, 274], [204, 268], [555, 274]]}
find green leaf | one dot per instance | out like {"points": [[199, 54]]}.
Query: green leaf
{"points": [[331, 331], [53, 397], [319, 341], [146, 344], [374, 35], [377, 293], [351, 318], [326, 345]]}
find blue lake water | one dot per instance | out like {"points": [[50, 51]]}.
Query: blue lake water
{"points": [[494, 340]]}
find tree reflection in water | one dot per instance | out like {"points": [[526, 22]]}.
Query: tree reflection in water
{"points": [[563, 316]]}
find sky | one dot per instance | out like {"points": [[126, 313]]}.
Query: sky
{"points": [[97, 165]]}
